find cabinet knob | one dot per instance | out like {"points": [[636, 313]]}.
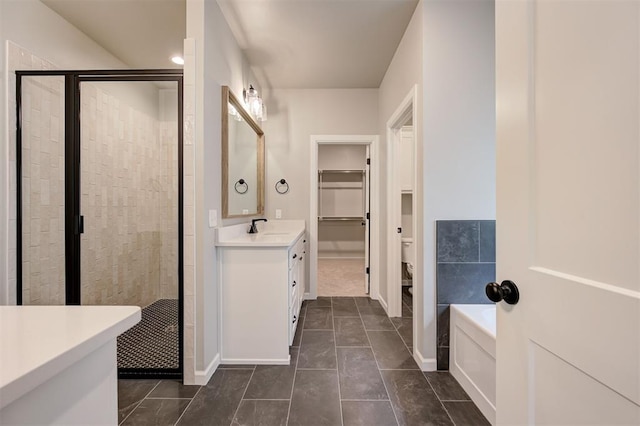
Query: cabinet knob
{"points": [[295, 318], [294, 284], [295, 255]]}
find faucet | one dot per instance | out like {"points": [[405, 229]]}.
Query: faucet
{"points": [[253, 229]]}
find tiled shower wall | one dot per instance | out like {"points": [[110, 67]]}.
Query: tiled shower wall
{"points": [[466, 262], [129, 194], [128, 199]]}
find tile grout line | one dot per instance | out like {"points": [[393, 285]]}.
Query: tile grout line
{"points": [[401, 338], [140, 402], [335, 349], [243, 394], [393, 410], [295, 372], [479, 254], [264, 399], [188, 405], [317, 369], [439, 400], [365, 400], [169, 398]]}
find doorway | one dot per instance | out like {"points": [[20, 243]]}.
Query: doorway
{"points": [[99, 193], [343, 237], [343, 229], [403, 269]]}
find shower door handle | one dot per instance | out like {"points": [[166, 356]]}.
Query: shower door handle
{"points": [[79, 225]]}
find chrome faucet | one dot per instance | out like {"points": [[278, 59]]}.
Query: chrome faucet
{"points": [[253, 229]]}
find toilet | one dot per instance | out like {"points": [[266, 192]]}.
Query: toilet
{"points": [[408, 254]]}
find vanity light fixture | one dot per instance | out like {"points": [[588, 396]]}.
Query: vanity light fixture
{"points": [[178, 60], [254, 104], [233, 112]]}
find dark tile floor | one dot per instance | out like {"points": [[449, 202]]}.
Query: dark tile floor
{"points": [[351, 365]]}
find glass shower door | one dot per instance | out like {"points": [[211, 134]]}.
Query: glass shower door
{"points": [[129, 201], [41, 246]]}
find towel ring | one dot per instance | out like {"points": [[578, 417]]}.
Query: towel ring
{"points": [[282, 187], [241, 183]]}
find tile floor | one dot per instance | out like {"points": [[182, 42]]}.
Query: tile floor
{"points": [[351, 365]]}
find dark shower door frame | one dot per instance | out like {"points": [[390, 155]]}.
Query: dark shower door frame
{"points": [[73, 214]]}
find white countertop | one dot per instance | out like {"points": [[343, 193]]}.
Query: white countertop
{"points": [[38, 342], [276, 234]]}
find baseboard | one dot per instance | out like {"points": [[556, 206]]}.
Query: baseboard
{"points": [[384, 304], [425, 364], [202, 377], [257, 361]]}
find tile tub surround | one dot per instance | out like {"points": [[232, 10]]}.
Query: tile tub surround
{"points": [[466, 262], [335, 378]]}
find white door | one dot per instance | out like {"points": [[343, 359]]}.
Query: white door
{"points": [[568, 216]]}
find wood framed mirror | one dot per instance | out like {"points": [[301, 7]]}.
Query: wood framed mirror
{"points": [[242, 160]]}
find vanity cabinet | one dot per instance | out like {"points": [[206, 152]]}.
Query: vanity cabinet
{"points": [[263, 287]]}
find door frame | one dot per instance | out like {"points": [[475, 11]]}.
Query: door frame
{"points": [[374, 208], [407, 109]]}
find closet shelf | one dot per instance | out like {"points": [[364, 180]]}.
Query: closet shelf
{"points": [[324, 186], [339, 218]]}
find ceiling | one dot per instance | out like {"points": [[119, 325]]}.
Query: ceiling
{"points": [[289, 43], [141, 33]]}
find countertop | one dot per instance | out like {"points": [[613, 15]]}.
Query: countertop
{"points": [[275, 234], [38, 342]]}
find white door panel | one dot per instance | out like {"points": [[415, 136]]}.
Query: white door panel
{"points": [[593, 403], [568, 216]]}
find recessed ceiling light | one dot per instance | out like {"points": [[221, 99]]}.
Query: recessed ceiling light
{"points": [[177, 60]]}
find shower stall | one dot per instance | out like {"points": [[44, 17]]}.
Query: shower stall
{"points": [[99, 200]]}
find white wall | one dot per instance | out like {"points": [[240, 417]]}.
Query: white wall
{"points": [[407, 215], [212, 59], [448, 51], [459, 121], [295, 115], [403, 73]]}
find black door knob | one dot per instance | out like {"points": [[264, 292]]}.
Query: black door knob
{"points": [[506, 291]]}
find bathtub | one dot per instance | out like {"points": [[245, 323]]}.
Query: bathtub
{"points": [[472, 354]]}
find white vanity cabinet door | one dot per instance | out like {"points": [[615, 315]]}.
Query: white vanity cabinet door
{"points": [[302, 272], [296, 284]]}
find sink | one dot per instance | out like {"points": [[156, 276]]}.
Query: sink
{"points": [[277, 234]]}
